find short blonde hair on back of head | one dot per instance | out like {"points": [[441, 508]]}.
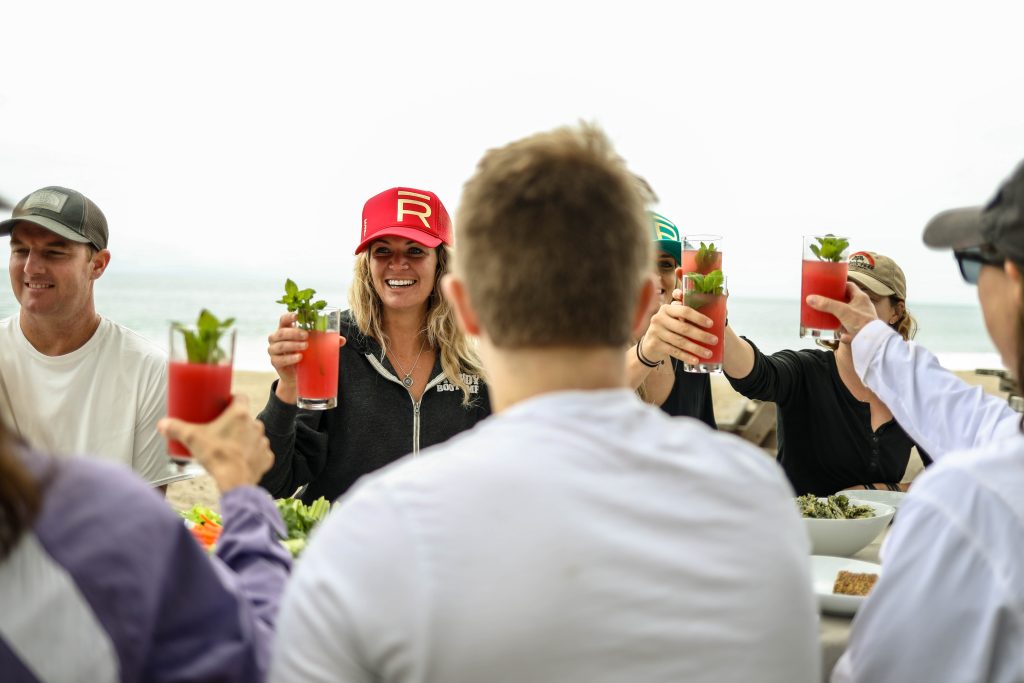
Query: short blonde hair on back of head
{"points": [[553, 241]]}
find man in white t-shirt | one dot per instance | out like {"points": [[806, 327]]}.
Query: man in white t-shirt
{"points": [[578, 534], [71, 381]]}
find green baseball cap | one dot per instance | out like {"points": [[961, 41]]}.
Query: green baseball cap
{"points": [[666, 236]]}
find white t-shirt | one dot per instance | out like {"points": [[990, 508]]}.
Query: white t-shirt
{"points": [[102, 400], [577, 536], [949, 604]]}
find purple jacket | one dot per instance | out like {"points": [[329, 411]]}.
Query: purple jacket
{"points": [[110, 585]]}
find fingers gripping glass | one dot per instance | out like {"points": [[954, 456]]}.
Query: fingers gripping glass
{"points": [[972, 259]]}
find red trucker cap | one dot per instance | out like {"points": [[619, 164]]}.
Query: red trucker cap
{"points": [[406, 212]]}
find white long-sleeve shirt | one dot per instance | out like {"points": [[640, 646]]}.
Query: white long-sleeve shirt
{"points": [[949, 605], [577, 536], [941, 412]]}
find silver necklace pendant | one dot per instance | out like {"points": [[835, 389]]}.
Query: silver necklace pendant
{"points": [[407, 381]]}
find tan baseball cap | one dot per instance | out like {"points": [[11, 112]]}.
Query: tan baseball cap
{"points": [[878, 274]]}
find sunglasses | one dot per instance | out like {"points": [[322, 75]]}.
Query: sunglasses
{"points": [[972, 259]]}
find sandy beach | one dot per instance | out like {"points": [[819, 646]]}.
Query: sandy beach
{"points": [[729, 407]]}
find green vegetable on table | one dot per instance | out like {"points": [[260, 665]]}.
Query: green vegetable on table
{"points": [[196, 514], [300, 302], [833, 507], [829, 248], [299, 519], [202, 345]]}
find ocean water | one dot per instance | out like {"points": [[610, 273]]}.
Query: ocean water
{"points": [[147, 302]]}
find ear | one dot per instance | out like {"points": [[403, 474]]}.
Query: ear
{"points": [[899, 309], [454, 291], [642, 312], [98, 263]]}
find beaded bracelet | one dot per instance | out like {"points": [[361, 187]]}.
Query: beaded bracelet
{"points": [[643, 360]]}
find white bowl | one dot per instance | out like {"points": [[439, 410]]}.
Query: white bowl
{"points": [[844, 537], [893, 498]]}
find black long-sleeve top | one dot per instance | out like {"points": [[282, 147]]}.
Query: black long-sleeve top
{"points": [[375, 422], [826, 443], [690, 396]]}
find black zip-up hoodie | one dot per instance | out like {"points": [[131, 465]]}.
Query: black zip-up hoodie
{"points": [[375, 422]]}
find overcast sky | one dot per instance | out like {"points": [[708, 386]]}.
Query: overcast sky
{"points": [[247, 135]]}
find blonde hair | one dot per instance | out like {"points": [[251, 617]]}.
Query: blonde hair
{"points": [[907, 324], [554, 242], [456, 349]]}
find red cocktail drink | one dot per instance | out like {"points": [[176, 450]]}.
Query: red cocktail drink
{"points": [[316, 375], [199, 374], [827, 279], [196, 392], [713, 305], [317, 372]]}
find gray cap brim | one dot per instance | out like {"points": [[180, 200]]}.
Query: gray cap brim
{"points": [[956, 229], [43, 222]]}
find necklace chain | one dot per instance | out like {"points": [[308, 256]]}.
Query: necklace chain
{"points": [[407, 381]]}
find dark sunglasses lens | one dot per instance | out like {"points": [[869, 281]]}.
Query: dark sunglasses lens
{"points": [[969, 269]]}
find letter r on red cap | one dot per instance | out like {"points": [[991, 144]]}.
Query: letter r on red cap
{"points": [[402, 208]]}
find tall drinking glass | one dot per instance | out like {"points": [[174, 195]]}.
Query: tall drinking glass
{"points": [[317, 372], [702, 253], [823, 272], [710, 301], [198, 384]]}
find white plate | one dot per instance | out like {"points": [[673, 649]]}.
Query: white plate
{"points": [[824, 570]]}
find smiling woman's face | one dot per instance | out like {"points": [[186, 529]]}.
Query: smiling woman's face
{"points": [[402, 272]]}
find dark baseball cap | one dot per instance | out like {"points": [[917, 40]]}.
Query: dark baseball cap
{"points": [[65, 212], [1000, 223]]}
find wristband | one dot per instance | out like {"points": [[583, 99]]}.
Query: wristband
{"points": [[643, 359]]}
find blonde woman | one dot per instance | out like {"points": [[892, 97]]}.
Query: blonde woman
{"points": [[408, 377]]}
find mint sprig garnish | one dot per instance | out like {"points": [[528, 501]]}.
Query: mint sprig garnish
{"points": [[704, 287], [707, 284], [829, 248], [706, 255], [202, 345], [299, 301]]}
